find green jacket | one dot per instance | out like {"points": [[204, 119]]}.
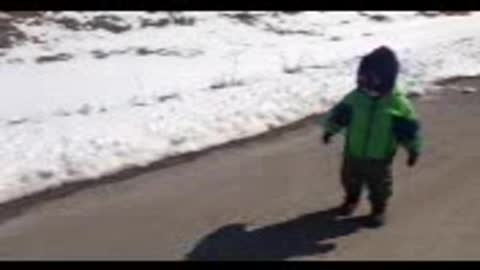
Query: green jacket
{"points": [[375, 127]]}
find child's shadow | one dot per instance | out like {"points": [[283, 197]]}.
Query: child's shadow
{"points": [[302, 236]]}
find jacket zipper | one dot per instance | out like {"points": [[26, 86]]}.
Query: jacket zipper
{"points": [[373, 108]]}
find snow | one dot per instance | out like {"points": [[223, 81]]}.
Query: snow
{"points": [[176, 89]]}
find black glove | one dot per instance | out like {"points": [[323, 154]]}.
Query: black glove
{"points": [[412, 158], [326, 137]]}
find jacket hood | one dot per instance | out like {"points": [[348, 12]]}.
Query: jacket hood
{"points": [[378, 71]]}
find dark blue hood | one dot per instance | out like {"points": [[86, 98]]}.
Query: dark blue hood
{"points": [[378, 71]]}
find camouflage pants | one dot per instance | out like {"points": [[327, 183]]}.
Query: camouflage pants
{"points": [[374, 174]]}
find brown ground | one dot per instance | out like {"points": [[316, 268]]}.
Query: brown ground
{"points": [[269, 199]]}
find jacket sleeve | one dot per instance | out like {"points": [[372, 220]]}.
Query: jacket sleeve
{"points": [[407, 127], [338, 117]]}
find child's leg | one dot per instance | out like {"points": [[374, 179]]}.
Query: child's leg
{"points": [[379, 183], [351, 181]]}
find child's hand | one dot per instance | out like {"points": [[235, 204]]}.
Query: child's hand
{"points": [[326, 137], [412, 159]]}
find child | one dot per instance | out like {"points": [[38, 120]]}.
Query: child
{"points": [[377, 118]]}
